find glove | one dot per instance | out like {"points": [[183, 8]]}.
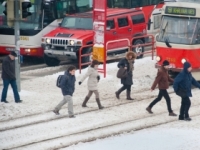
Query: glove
{"points": [[79, 83], [98, 78]]}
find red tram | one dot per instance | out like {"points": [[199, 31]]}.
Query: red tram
{"points": [[179, 37]]}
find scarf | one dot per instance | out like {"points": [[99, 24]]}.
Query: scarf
{"points": [[131, 67]]}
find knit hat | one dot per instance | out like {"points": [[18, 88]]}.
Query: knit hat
{"points": [[13, 54], [165, 63]]}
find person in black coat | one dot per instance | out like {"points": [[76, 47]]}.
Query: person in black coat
{"points": [[67, 88], [8, 76], [127, 63], [182, 87]]}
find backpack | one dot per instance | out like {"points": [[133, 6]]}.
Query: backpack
{"points": [[58, 82]]}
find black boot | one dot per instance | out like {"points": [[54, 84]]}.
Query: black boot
{"points": [[85, 101], [99, 103], [118, 92], [181, 117], [128, 94]]}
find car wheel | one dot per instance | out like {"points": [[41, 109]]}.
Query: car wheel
{"points": [[139, 49], [51, 61]]}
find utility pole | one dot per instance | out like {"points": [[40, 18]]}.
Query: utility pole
{"points": [[17, 45]]}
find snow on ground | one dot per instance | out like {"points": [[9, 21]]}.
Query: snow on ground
{"points": [[178, 135], [40, 95]]}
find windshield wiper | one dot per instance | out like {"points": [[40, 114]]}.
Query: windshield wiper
{"points": [[167, 42]]}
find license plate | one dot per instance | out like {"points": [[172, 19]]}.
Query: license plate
{"points": [[58, 52], [10, 48]]}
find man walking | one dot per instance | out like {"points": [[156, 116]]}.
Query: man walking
{"points": [[8, 76], [182, 86], [162, 80], [67, 88]]}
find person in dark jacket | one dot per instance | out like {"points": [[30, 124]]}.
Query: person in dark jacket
{"points": [[162, 79], [8, 76], [67, 88], [184, 81], [127, 63]]}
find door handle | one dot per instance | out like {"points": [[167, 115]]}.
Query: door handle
{"points": [[129, 29], [114, 32]]}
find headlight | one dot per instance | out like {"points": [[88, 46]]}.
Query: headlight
{"points": [[48, 41], [27, 50], [158, 58], [183, 60], [72, 42]]}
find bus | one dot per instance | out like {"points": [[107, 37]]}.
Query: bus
{"points": [[179, 38], [47, 14]]}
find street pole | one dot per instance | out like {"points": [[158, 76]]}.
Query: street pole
{"points": [[17, 44]]}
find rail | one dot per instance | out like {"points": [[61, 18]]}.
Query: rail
{"points": [[84, 55], [152, 43]]}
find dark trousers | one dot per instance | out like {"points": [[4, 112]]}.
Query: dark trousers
{"points": [[162, 93], [5, 89], [126, 87], [185, 106]]}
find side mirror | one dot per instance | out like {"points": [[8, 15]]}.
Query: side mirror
{"points": [[157, 36], [108, 28]]}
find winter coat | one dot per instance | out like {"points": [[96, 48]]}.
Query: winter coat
{"points": [[162, 79], [68, 84], [185, 80], [124, 63], [92, 82], [8, 69]]}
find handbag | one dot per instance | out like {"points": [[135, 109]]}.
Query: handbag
{"points": [[181, 92], [122, 73]]}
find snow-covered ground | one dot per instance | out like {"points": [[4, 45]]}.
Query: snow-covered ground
{"points": [[178, 135], [32, 125]]}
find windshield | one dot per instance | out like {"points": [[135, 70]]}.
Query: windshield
{"points": [[45, 11], [77, 23], [180, 30]]}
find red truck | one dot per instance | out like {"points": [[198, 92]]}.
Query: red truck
{"points": [[75, 31]]}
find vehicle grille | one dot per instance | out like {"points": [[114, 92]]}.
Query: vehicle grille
{"points": [[59, 42]]}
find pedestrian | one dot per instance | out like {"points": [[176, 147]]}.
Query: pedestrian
{"points": [[92, 83], [67, 87], [162, 79], [8, 76], [128, 64], [182, 86]]}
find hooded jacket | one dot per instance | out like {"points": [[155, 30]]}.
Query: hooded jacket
{"points": [[124, 63], [162, 79], [68, 84], [185, 80]]}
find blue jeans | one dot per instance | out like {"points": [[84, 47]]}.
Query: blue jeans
{"points": [[5, 90]]}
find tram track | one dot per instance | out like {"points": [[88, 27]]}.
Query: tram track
{"points": [[91, 109], [138, 123], [57, 119]]}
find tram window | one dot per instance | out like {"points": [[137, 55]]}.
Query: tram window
{"points": [[111, 24], [136, 19], [122, 22]]}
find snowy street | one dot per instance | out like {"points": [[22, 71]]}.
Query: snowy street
{"points": [[33, 125]]}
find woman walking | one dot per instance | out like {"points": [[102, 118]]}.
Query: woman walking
{"points": [[182, 86], [162, 80], [127, 63], [93, 79]]}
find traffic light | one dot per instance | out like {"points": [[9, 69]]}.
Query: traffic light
{"points": [[24, 5], [9, 12]]}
